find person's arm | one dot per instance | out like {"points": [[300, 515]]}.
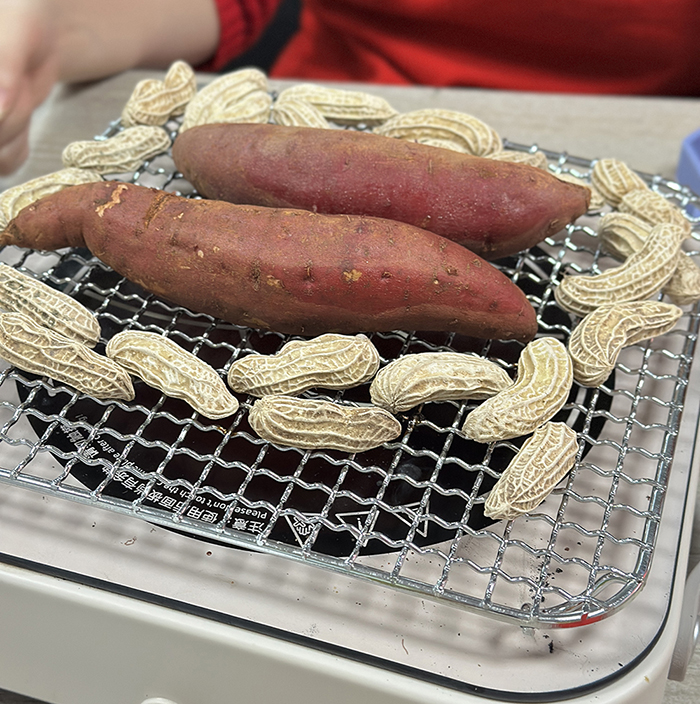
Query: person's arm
{"points": [[44, 41], [97, 39]]}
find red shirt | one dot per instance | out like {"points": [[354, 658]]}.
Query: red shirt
{"points": [[588, 46]]}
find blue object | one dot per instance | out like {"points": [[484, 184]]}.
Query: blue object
{"points": [[688, 170]]}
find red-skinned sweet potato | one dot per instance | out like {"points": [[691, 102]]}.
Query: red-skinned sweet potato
{"points": [[286, 270], [491, 207]]}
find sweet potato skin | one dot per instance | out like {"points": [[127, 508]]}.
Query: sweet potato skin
{"points": [[491, 207], [291, 271]]}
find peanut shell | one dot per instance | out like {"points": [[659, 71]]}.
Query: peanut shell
{"points": [[542, 386], [329, 361], [426, 377], [596, 342], [311, 424], [164, 365], [544, 459], [33, 348]]}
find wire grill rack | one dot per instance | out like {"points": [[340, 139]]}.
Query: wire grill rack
{"points": [[408, 515]]}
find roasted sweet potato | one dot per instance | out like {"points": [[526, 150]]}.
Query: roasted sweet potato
{"points": [[491, 207], [292, 271]]}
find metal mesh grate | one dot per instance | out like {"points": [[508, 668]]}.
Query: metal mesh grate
{"points": [[408, 514]]}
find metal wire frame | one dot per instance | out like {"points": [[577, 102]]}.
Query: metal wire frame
{"points": [[408, 515]]}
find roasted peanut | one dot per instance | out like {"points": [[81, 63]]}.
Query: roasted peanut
{"points": [[164, 365], [683, 288], [315, 424], [623, 234], [223, 94], [33, 348], [22, 293], [598, 339], [329, 361], [538, 159], [17, 197], [542, 462], [154, 102], [293, 112], [126, 151], [644, 273], [436, 376], [654, 209], [612, 178], [254, 107], [544, 380], [344, 107], [467, 132]]}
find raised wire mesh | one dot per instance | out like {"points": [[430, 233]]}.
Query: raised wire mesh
{"points": [[408, 514]]}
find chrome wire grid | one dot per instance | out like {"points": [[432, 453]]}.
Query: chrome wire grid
{"points": [[409, 514]]}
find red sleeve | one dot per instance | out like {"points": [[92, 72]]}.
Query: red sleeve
{"points": [[241, 23]]}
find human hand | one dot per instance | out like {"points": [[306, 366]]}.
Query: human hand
{"points": [[28, 71]]}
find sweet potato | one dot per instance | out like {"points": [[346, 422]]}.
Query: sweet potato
{"points": [[491, 207], [292, 271]]}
